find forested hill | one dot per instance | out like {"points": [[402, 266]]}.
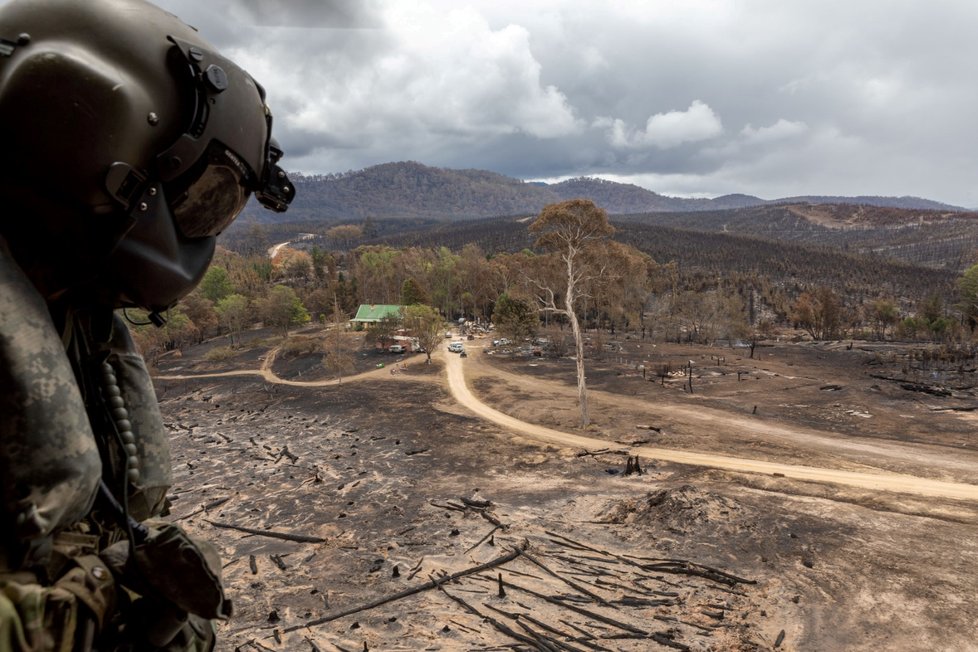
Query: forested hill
{"points": [[711, 255], [412, 190]]}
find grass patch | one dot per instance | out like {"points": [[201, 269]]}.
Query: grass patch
{"points": [[220, 354], [294, 347]]}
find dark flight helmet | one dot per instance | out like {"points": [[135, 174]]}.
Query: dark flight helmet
{"points": [[129, 144]]}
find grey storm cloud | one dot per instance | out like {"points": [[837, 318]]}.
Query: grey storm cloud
{"points": [[694, 98], [325, 14]]}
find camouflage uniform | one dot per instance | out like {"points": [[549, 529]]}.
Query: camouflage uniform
{"points": [[62, 566], [130, 145]]}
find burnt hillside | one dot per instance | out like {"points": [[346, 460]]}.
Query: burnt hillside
{"points": [[930, 238]]}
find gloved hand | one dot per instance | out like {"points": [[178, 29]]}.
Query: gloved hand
{"points": [[171, 566], [178, 581]]}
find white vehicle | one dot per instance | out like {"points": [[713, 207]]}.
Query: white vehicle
{"points": [[396, 348], [456, 347]]}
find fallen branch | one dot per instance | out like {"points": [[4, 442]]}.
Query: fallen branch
{"points": [[456, 508], [571, 583], [584, 612], [480, 541], [547, 641], [601, 451], [287, 536], [674, 566], [205, 508], [505, 629], [285, 452], [492, 519], [658, 637], [278, 561], [673, 619], [683, 567], [498, 561], [914, 387], [584, 640], [477, 504]]}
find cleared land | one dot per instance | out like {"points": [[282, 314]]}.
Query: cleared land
{"points": [[392, 472]]}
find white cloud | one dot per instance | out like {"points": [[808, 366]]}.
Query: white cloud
{"points": [[561, 87], [425, 76], [666, 130], [696, 123]]}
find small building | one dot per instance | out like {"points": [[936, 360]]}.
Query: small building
{"points": [[368, 314]]}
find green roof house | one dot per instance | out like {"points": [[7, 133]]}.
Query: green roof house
{"points": [[373, 313]]}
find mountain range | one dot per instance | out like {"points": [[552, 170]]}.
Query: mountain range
{"points": [[413, 190]]}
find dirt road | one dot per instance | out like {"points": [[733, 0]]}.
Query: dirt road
{"points": [[454, 365], [269, 376], [873, 481], [868, 452]]}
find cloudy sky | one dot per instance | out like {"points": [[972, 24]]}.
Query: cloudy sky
{"points": [[684, 97]]}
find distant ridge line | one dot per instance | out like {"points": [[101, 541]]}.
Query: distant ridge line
{"points": [[412, 190]]}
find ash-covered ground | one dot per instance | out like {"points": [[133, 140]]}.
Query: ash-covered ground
{"points": [[466, 537]]}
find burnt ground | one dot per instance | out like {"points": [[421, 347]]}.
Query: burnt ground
{"points": [[404, 488]]}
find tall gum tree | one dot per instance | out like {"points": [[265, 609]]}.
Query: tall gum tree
{"points": [[572, 230], [426, 326]]}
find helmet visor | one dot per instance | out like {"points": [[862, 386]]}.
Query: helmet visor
{"points": [[207, 198]]}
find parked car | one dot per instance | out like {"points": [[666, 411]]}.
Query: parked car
{"points": [[456, 347], [396, 348]]}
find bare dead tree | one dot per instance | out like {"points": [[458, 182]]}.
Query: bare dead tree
{"points": [[570, 229]]}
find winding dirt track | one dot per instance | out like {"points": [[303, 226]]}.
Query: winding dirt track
{"points": [[383, 373], [901, 483], [875, 481]]}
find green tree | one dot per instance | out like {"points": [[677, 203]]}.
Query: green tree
{"points": [[282, 308], [571, 229], [376, 273], [967, 286], [201, 312], [884, 314], [443, 281], [321, 264], [425, 325], [933, 315], [177, 332], [216, 284], [233, 311], [294, 267], [514, 318], [343, 235], [412, 292]]}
